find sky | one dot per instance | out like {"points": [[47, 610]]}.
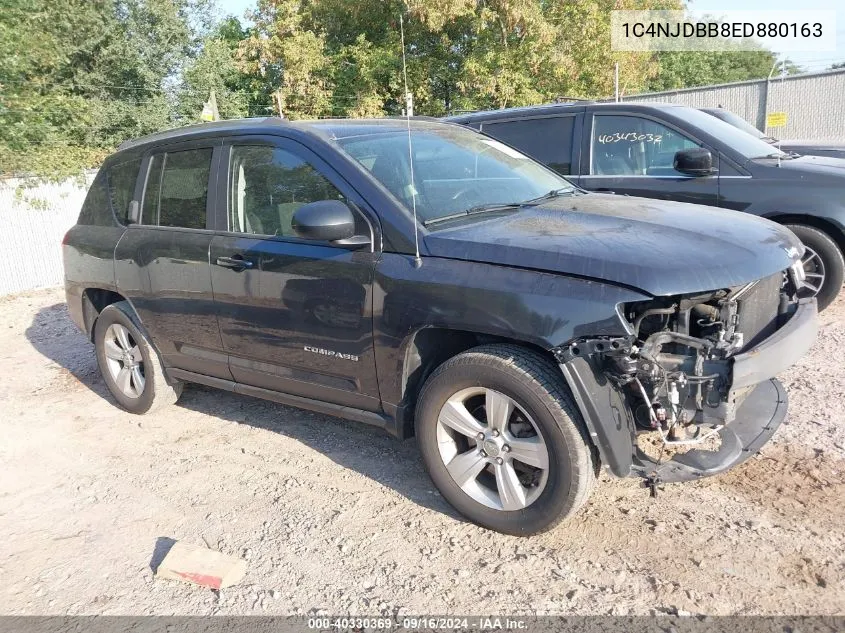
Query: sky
{"points": [[810, 61]]}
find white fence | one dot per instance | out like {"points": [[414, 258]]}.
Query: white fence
{"points": [[33, 221]]}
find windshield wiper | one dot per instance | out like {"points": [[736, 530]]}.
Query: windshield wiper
{"points": [[481, 208], [554, 193]]}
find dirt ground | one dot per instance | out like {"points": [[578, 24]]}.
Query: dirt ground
{"points": [[335, 517]]}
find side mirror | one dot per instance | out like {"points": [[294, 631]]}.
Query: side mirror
{"points": [[327, 220], [694, 162]]}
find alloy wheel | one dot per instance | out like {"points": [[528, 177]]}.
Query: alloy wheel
{"points": [[492, 449], [124, 361], [814, 272]]}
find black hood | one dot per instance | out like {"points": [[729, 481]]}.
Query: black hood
{"points": [[663, 248]]}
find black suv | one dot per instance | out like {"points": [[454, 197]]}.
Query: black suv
{"points": [[678, 153], [537, 334]]}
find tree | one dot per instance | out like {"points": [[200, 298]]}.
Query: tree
{"points": [[344, 57], [215, 68], [285, 44], [81, 76], [686, 69]]}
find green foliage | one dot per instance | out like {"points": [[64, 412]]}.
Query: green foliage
{"points": [[80, 76], [687, 69]]}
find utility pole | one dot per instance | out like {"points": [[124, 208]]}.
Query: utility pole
{"points": [[616, 81], [279, 100]]}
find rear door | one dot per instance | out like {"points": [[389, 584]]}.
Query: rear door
{"points": [[553, 140], [161, 263], [630, 153], [295, 315]]}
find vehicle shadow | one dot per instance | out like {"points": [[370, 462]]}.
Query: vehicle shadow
{"points": [[365, 449], [57, 338]]}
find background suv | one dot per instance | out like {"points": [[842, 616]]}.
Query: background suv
{"points": [[677, 153]]}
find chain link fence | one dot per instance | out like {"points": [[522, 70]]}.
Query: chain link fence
{"points": [[814, 103]]}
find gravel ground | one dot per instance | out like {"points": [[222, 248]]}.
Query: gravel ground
{"points": [[335, 517]]}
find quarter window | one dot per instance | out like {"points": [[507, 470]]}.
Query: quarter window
{"points": [[95, 208], [633, 146], [177, 189], [122, 187], [548, 140], [268, 185]]}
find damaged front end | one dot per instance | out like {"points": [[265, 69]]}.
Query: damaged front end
{"points": [[696, 374]]}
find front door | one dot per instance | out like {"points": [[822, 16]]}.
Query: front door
{"points": [[295, 315], [634, 155], [161, 263]]}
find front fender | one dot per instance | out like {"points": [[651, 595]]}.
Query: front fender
{"points": [[542, 309], [814, 206]]}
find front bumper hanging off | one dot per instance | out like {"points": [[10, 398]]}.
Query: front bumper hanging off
{"points": [[761, 407]]}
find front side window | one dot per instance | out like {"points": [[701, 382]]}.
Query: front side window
{"points": [[633, 146], [548, 140], [455, 169], [267, 185], [177, 189]]}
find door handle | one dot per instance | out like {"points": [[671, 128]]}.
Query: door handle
{"points": [[236, 263]]}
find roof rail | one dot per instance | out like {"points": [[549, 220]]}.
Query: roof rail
{"points": [[565, 99]]}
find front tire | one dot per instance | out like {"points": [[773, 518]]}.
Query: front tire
{"points": [[129, 364], [823, 263], [503, 440]]}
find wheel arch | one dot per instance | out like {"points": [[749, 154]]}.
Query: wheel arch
{"points": [[825, 225], [427, 348], [94, 301]]}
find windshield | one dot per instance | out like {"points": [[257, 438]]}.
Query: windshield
{"points": [[455, 170], [742, 143], [737, 121]]}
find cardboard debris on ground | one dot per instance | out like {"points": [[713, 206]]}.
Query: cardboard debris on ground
{"points": [[201, 566]]}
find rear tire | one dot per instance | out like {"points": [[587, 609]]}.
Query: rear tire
{"points": [[822, 257], [129, 364], [541, 425]]}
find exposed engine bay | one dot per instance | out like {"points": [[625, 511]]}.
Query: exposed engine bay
{"points": [[675, 371]]}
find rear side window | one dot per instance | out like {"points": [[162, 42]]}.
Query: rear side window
{"points": [[548, 140], [121, 183], [177, 189], [95, 209]]}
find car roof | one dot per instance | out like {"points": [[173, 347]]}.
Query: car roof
{"points": [[328, 129], [553, 108]]}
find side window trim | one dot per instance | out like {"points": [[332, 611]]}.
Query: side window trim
{"points": [[224, 184], [216, 145]]}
